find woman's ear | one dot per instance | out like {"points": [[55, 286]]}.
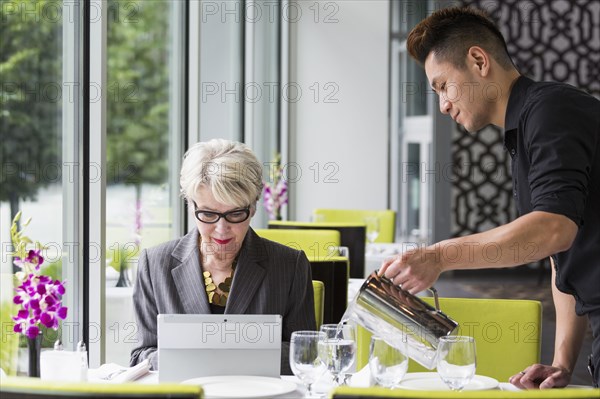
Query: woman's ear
{"points": [[478, 60]]}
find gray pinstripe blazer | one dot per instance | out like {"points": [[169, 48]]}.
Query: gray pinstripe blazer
{"points": [[270, 278]]}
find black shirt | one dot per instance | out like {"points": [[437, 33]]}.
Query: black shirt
{"points": [[552, 133]]}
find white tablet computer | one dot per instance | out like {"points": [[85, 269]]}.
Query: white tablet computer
{"points": [[201, 345]]}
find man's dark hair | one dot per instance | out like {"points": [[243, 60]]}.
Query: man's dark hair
{"points": [[450, 32]]}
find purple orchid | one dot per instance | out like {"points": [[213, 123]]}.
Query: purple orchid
{"points": [[34, 258], [40, 299], [275, 191], [275, 197], [39, 296]]}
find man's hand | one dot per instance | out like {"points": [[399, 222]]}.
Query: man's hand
{"points": [[414, 270], [540, 376]]}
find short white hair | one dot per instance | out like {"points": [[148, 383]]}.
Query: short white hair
{"points": [[229, 169]]}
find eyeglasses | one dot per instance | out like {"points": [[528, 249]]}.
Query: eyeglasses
{"points": [[233, 216]]}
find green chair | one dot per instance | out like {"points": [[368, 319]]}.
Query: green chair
{"points": [[34, 388], [319, 292], [352, 236], [572, 393], [326, 264], [387, 220], [507, 334], [314, 243]]}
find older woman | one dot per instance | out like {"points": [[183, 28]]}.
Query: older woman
{"points": [[221, 266]]}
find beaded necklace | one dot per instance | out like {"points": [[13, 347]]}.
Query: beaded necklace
{"points": [[211, 288]]}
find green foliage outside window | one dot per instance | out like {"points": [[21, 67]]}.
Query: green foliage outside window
{"points": [[138, 86], [31, 97], [30, 100]]}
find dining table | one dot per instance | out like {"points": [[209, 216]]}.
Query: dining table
{"points": [[321, 388], [290, 386]]}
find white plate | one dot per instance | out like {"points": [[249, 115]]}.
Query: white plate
{"points": [[242, 386], [433, 382]]}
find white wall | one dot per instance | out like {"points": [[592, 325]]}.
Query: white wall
{"points": [[339, 124]]}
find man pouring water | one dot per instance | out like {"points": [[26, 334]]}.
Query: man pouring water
{"points": [[552, 132]]}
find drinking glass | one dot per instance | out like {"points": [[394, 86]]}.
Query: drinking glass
{"points": [[456, 360], [372, 227], [304, 357], [338, 349], [388, 364]]}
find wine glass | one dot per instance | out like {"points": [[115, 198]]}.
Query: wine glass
{"points": [[304, 357], [456, 360], [388, 364], [372, 227], [338, 349]]}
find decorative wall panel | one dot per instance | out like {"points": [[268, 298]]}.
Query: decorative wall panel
{"points": [[554, 40]]}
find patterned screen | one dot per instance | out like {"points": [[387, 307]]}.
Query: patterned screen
{"points": [[555, 40]]}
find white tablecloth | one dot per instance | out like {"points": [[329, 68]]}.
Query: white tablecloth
{"points": [[321, 388]]}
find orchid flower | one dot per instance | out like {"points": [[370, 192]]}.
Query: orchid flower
{"points": [[39, 296], [275, 193]]}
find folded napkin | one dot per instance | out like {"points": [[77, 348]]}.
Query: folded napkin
{"points": [[362, 378], [114, 373]]}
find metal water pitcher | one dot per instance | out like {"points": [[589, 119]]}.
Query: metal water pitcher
{"points": [[396, 315]]}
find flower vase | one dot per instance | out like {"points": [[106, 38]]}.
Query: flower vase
{"points": [[123, 277], [34, 346]]}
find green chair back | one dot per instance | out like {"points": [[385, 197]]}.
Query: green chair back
{"points": [[352, 235], [387, 220], [319, 291], [326, 266], [567, 393], [507, 334], [34, 388], [314, 243]]}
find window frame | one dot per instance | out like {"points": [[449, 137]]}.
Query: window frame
{"points": [[72, 182], [94, 218], [185, 129]]}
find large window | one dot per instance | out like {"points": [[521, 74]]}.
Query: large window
{"points": [[39, 168], [97, 170], [143, 150]]}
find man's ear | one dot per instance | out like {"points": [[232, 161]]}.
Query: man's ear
{"points": [[478, 60]]}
